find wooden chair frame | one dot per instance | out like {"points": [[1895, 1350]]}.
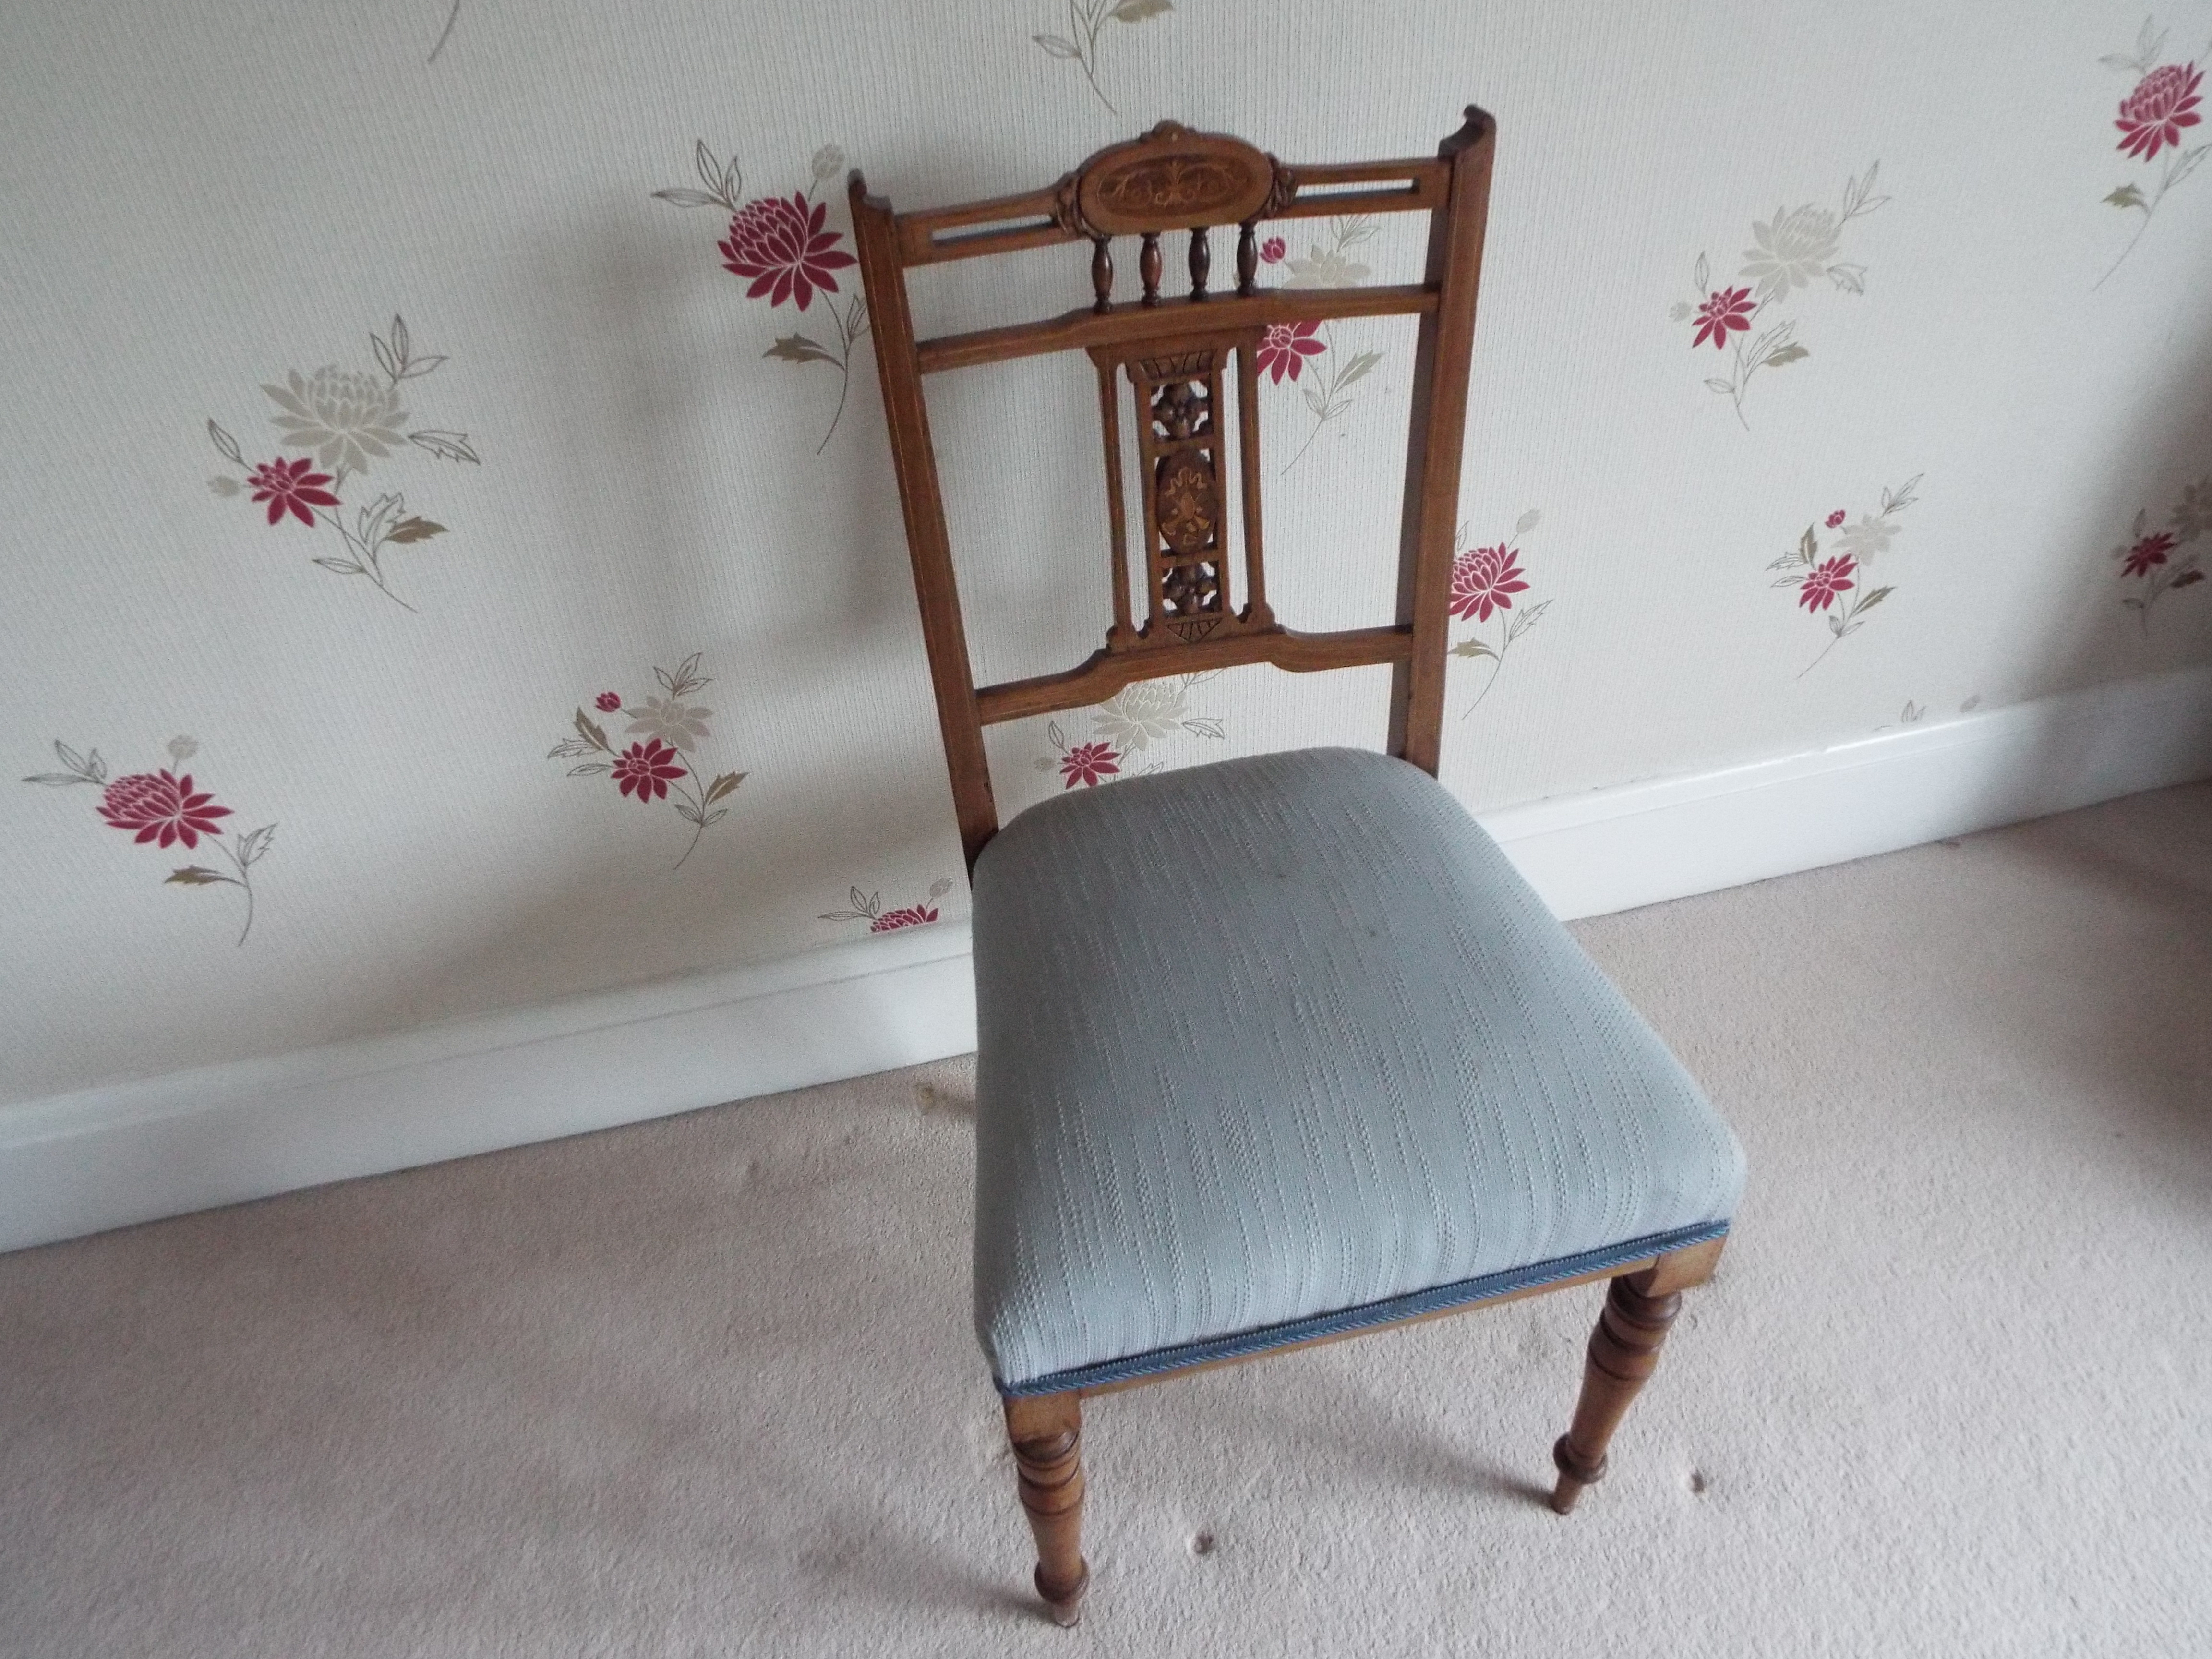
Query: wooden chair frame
{"points": [[1172, 353]]}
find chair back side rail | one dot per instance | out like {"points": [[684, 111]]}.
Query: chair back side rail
{"points": [[1174, 355]]}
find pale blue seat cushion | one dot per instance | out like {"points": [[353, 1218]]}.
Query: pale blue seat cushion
{"points": [[1283, 1045]]}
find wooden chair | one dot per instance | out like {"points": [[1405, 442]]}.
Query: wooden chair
{"points": [[1279, 1049]]}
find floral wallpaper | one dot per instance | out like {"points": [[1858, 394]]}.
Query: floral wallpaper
{"points": [[1289, 348], [2153, 120], [1835, 583], [2152, 562], [1129, 732], [348, 420], [1087, 21], [1484, 582], [780, 245], [1794, 249], [165, 810], [667, 731], [544, 576]]}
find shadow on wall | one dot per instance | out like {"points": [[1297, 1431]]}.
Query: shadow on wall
{"points": [[2093, 638], [764, 615]]}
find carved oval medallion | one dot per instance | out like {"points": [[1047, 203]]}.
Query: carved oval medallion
{"points": [[1188, 502], [1171, 179]]}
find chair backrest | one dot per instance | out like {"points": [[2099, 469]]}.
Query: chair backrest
{"points": [[1173, 354]]}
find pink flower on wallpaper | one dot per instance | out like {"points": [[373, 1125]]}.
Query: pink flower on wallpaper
{"points": [[780, 243], [1821, 578], [2155, 559], [2148, 552], [912, 915], [290, 486], [2153, 115], [158, 805], [1833, 577], [1724, 308], [672, 730], [782, 246], [1483, 580], [869, 907], [1271, 251], [1089, 763], [647, 768], [163, 808], [1285, 348]]}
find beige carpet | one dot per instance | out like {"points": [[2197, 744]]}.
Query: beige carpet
{"points": [[705, 1386]]}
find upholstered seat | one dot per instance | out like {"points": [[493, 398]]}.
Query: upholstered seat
{"points": [[1280, 1045]]}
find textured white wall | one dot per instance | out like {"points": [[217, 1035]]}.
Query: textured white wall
{"points": [[203, 198]]}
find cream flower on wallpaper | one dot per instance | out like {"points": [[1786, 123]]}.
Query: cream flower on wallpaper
{"points": [[669, 719], [1142, 712], [1869, 536], [1327, 268], [1792, 250], [2192, 513], [343, 415]]}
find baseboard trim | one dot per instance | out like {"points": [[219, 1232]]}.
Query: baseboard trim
{"points": [[109, 1156]]}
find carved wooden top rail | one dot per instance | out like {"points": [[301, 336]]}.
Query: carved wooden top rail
{"points": [[1172, 354]]}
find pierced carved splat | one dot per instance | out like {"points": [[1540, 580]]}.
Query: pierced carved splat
{"points": [[1182, 470]]}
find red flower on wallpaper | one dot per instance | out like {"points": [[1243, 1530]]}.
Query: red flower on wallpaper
{"points": [[1820, 582], [290, 486], [350, 420], [1285, 349], [2155, 558], [783, 245], [668, 728], [780, 243], [2148, 552], [869, 907], [2153, 115], [1483, 580], [1089, 763], [162, 805], [1483, 583], [647, 768], [1791, 255], [1820, 590], [2161, 105], [1724, 308], [163, 808], [1271, 251]]}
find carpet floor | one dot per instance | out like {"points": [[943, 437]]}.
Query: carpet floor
{"points": [[705, 1386]]}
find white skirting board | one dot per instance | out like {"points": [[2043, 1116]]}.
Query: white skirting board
{"points": [[104, 1158]]}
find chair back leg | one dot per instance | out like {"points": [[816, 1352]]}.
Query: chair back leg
{"points": [[1047, 1432]]}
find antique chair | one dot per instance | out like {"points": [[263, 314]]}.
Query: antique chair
{"points": [[1279, 1049]]}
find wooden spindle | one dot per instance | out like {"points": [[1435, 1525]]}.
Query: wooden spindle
{"points": [[1248, 260], [1623, 1351], [1102, 273], [1201, 262], [1047, 1432], [1148, 267]]}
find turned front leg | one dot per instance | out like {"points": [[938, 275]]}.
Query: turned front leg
{"points": [[1047, 1432], [1623, 1351]]}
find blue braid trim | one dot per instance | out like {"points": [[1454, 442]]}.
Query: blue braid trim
{"points": [[1463, 1292]]}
